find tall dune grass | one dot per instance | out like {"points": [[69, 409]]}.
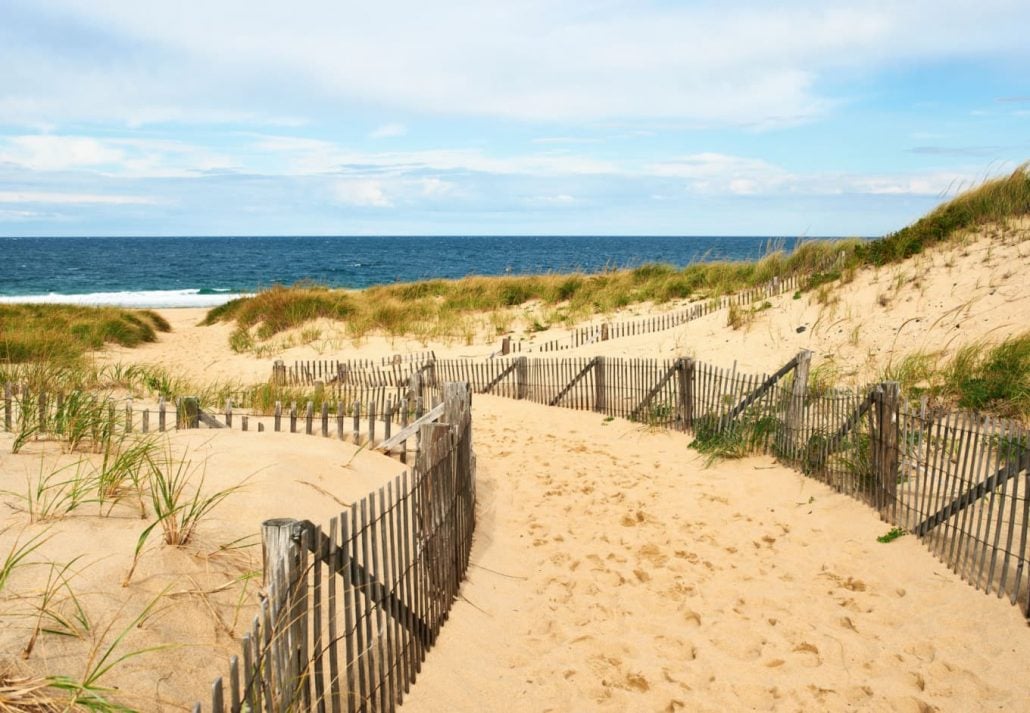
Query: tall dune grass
{"points": [[438, 306], [62, 333], [989, 378]]}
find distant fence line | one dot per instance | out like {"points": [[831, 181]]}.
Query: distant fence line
{"points": [[372, 420], [605, 331]]}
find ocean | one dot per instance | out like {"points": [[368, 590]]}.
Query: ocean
{"points": [[206, 271]]}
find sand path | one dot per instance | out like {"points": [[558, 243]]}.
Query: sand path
{"points": [[611, 571]]}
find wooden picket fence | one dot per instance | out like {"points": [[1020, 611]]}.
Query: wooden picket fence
{"points": [[372, 421], [351, 611], [358, 372], [605, 331]]}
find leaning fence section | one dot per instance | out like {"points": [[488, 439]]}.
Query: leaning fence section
{"points": [[352, 607]]}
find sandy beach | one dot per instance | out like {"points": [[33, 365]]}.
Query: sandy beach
{"points": [[611, 568]]}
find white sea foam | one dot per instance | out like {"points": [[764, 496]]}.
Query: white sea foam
{"points": [[142, 299]]}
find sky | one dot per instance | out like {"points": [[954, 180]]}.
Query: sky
{"points": [[243, 117]]}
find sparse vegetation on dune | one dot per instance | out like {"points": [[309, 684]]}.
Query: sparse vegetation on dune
{"points": [[995, 201], [989, 378], [64, 333], [441, 307]]}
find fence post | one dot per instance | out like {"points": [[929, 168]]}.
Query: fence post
{"points": [[686, 391], [506, 346], [188, 413], [600, 401], [278, 416], [796, 406], [456, 398], [279, 372], [885, 446], [604, 332], [285, 582], [228, 413], [522, 378]]}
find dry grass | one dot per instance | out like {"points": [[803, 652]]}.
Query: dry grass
{"points": [[66, 332]]}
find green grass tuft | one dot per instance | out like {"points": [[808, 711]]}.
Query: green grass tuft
{"points": [[64, 333]]}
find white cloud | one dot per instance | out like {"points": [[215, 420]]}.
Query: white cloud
{"points": [[721, 173], [933, 184], [114, 156], [54, 153], [754, 63], [362, 193], [73, 198], [389, 131], [435, 187], [558, 201]]}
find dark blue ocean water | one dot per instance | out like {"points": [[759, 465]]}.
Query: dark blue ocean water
{"points": [[172, 271]]}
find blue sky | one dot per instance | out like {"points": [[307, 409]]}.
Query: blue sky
{"points": [[616, 117]]}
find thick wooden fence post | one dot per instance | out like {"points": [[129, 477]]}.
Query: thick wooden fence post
{"points": [[506, 346], [279, 372], [686, 391], [794, 417], [285, 580], [188, 413], [885, 447], [522, 378], [600, 401]]}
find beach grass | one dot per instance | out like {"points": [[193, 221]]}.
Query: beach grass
{"points": [[980, 376], [437, 307], [60, 333]]}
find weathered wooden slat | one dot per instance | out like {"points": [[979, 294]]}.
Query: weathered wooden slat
{"points": [[575, 380], [411, 429], [760, 391], [360, 577], [500, 377], [1009, 470]]}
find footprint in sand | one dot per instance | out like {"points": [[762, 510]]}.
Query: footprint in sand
{"points": [[692, 617], [808, 654], [652, 555], [923, 651]]}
